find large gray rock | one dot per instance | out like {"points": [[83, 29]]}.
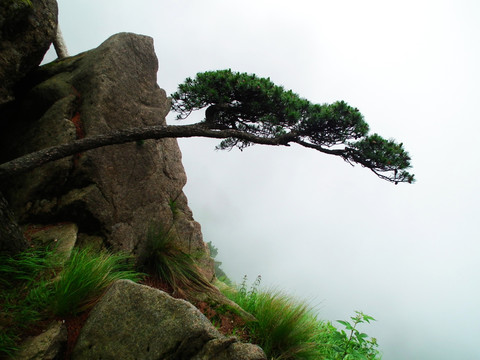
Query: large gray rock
{"points": [[117, 192], [138, 322], [26, 33]]}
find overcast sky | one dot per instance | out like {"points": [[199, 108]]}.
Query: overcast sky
{"points": [[311, 224]]}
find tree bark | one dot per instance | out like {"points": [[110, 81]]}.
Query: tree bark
{"points": [[59, 44], [36, 159], [12, 240]]}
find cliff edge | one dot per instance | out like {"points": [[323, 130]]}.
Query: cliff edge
{"points": [[107, 198], [114, 194]]}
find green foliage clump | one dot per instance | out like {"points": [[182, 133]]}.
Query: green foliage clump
{"points": [[85, 277], [252, 102], [39, 284], [349, 343], [23, 283], [285, 328], [26, 266], [172, 265], [256, 106], [288, 329]]}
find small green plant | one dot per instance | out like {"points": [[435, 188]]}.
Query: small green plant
{"points": [[173, 207], [348, 343], [247, 297], [356, 345], [172, 265], [285, 328], [85, 276]]}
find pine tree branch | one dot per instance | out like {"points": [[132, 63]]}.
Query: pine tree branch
{"points": [[30, 161], [33, 160]]}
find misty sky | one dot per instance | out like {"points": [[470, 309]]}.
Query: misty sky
{"points": [[311, 224]]}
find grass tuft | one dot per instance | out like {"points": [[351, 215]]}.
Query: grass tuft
{"points": [[22, 283], [85, 276], [38, 284], [288, 329], [27, 266], [173, 266], [285, 328]]}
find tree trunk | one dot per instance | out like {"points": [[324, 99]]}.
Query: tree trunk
{"points": [[12, 240], [59, 44], [36, 159]]}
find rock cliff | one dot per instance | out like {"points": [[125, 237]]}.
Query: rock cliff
{"points": [[115, 193], [108, 197], [26, 32]]}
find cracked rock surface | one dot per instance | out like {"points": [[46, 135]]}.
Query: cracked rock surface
{"points": [[116, 192], [134, 321]]}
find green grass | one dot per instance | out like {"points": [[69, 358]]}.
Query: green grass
{"points": [[85, 276], [172, 265], [26, 266], [8, 342], [285, 328], [38, 285], [288, 329], [22, 281]]}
